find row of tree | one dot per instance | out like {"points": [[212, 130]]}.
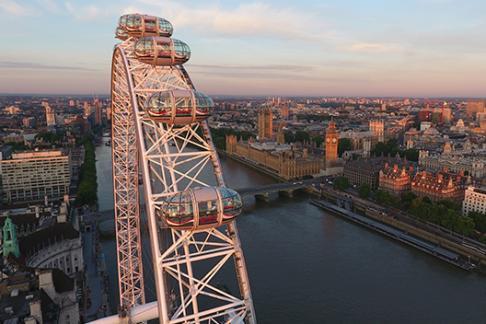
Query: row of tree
{"points": [[391, 148], [219, 136], [87, 188], [444, 213]]}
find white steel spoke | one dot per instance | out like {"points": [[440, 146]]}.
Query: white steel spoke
{"points": [[172, 158]]}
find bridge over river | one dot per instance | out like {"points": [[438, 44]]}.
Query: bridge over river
{"points": [[259, 192]]}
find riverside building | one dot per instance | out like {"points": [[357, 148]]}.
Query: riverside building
{"points": [[474, 200], [33, 176]]}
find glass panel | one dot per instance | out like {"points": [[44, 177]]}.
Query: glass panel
{"points": [[208, 212], [150, 24], [160, 103], [183, 103], [165, 27], [181, 49]]}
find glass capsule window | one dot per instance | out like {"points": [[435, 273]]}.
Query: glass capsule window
{"points": [[121, 33], [231, 201], [179, 210], [123, 21], [181, 49], [164, 49], [165, 27], [150, 24], [144, 46], [208, 212], [183, 103], [160, 103], [134, 21], [203, 101]]}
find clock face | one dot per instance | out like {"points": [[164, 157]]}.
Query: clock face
{"points": [[334, 140], [328, 140]]}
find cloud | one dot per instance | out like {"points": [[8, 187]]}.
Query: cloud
{"points": [[14, 8], [246, 19], [270, 67], [40, 66], [375, 47], [88, 12], [49, 5]]}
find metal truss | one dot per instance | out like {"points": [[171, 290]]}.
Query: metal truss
{"points": [[125, 184], [187, 264]]}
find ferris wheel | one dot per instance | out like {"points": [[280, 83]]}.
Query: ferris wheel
{"points": [[160, 130]]}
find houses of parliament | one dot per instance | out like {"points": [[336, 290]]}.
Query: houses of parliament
{"points": [[270, 153]]}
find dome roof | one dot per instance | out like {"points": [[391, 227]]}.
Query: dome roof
{"points": [[431, 132]]}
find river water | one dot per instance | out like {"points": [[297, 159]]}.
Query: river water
{"points": [[306, 266]]}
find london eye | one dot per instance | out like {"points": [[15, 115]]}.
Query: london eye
{"points": [[160, 129]]}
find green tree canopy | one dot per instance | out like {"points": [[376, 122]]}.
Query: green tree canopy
{"points": [[344, 145], [341, 183]]}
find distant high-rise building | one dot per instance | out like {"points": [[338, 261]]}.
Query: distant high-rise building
{"points": [[474, 107], [50, 116], [87, 109], [98, 112], [72, 103], [265, 124], [481, 117], [284, 111], [332, 139], [280, 133], [377, 129], [446, 116], [425, 114], [108, 113]]}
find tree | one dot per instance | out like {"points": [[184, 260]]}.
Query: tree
{"points": [[344, 145], [411, 155], [318, 140], [479, 220], [407, 199], [464, 225], [87, 188], [426, 200], [364, 190], [301, 136], [289, 137], [341, 183]]}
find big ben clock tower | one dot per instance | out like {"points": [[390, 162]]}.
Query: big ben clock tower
{"points": [[332, 139]]}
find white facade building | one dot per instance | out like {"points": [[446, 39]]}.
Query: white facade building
{"points": [[31, 176], [474, 200]]}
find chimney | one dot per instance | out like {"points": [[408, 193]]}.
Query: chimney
{"points": [[46, 282], [35, 312]]}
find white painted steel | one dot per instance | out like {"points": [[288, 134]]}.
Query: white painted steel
{"points": [[173, 158]]}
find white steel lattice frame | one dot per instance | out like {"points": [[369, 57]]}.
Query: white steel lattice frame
{"points": [[173, 159]]}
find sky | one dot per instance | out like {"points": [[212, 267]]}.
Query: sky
{"points": [[419, 48]]}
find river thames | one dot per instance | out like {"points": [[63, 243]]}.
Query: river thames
{"points": [[307, 266]]}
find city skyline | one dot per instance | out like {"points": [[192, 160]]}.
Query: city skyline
{"points": [[424, 48]]}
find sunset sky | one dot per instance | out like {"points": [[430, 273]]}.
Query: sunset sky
{"points": [[280, 47]]}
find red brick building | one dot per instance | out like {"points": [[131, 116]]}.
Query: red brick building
{"points": [[439, 186]]}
